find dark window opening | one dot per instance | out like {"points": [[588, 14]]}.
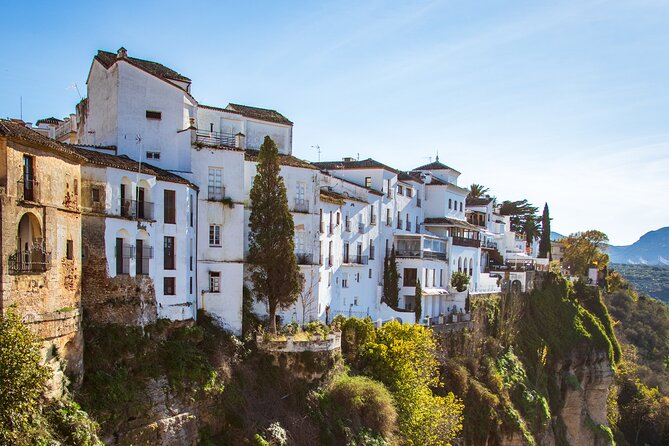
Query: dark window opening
{"points": [[169, 286], [69, 250], [153, 114], [168, 261], [169, 198]]}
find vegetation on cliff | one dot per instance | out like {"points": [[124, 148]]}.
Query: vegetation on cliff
{"points": [[26, 417]]}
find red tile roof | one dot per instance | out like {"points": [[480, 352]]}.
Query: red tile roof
{"points": [[108, 59], [262, 114], [19, 132], [356, 164]]}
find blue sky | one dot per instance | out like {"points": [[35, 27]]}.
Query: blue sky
{"points": [[564, 102]]}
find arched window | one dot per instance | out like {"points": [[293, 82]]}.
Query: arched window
{"points": [[450, 203], [123, 252], [471, 267], [459, 264]]}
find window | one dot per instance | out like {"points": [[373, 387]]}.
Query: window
{"points": [[344, 280], [95, 195], [76, 187], [152, 155], [142, 255], [409, 192], [190, 285], [215, 184], [168, 253], [346, 252], [153, 115], [417, 225], [399, 220], [389, 219], [190, 209], [399, 190], [450, 203], [170, 211], [357, 277], [214, 282], [190, 250], [355, 301], [461, 206], [69, 250], [300, 241], [338, 218], [368, 182], [370, 273], [214, 235], [169, 286], [371, 250], [409, 276]]}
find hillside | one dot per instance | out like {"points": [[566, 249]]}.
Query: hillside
{"points": [[652, 248], [647, 279]]}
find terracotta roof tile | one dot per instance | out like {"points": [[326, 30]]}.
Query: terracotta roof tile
{"points": [[436, 165], [262, 114], [50, 120], [410, 176], [125, 163], [108, 59], [19, 132], [284, 160], [478, 201], [369, 163]]}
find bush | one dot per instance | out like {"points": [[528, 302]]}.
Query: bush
{"points": [[22, 377], [459, 281], [362, 404]]}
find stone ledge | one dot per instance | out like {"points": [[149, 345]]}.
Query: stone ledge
{"points": [[315, 344]]}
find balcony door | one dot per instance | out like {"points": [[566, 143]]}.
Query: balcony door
{"points": [[28, 178]]}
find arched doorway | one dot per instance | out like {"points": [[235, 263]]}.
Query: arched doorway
{"points": [[31, 255]]}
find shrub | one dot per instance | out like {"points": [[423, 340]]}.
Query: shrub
{"points": [[362, 404], [459, 281], [22, 377]]}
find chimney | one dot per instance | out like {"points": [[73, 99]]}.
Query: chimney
{"points": [[240, 140], [122, 53]]}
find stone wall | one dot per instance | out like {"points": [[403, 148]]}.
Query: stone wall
{"points": [[122, 299], [48, 299]]}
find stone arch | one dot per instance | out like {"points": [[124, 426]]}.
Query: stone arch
{"points": [[459, 264], [29, 232]]}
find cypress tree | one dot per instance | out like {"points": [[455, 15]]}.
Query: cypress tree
{"points": [[418, 307], [545, 241], [274, 271], [391, 289]]}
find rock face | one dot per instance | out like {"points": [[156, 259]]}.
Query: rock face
{"points": [[161, 419], [586, 378]]}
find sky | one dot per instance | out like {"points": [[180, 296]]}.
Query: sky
{"points": [[551, 101]]}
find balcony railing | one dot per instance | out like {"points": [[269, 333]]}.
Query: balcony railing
{"points": [[469, 242], [215, 138], [489, 244], [418, 254], [372, 220], [137, 209], [332, 226], [301, 205], [361, 228], [33, 261], [215, 193], [347, 226], [28, 190], [143, 257], [408, 225], [389, 221], [304, 258], [399, 224], [360, 259]]}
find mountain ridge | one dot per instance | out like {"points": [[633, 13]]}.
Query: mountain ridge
{"points": [[652, 248]]}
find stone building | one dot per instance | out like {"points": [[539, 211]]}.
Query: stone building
{"points": [[40, 223]]}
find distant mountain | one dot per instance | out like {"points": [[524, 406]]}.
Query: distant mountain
{"points": [[556, 236], [651, 249]]}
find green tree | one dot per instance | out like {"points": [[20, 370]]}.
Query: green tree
{"points": [[583, 249], [545, 242], [459, 281], [391, 278], [403, 357], [22, 378], [418, 307], [274, 271], [477, 191], [518, 211]]}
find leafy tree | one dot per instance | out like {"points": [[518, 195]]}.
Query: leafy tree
{"points": [[403, 357], [274, 271], [391, 278], [477, 191], [519, 211], [545, 242], [459, 281], [582, 249], [22, 378], [530, 230], [418, 307]]}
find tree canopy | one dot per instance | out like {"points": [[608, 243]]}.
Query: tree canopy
{"points": [[545, 242], [582, 249], [274, 271], [391, 277], [477, 191], [519, 211]]}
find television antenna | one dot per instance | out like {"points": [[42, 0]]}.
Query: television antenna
{"points": [[318, 149]]}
